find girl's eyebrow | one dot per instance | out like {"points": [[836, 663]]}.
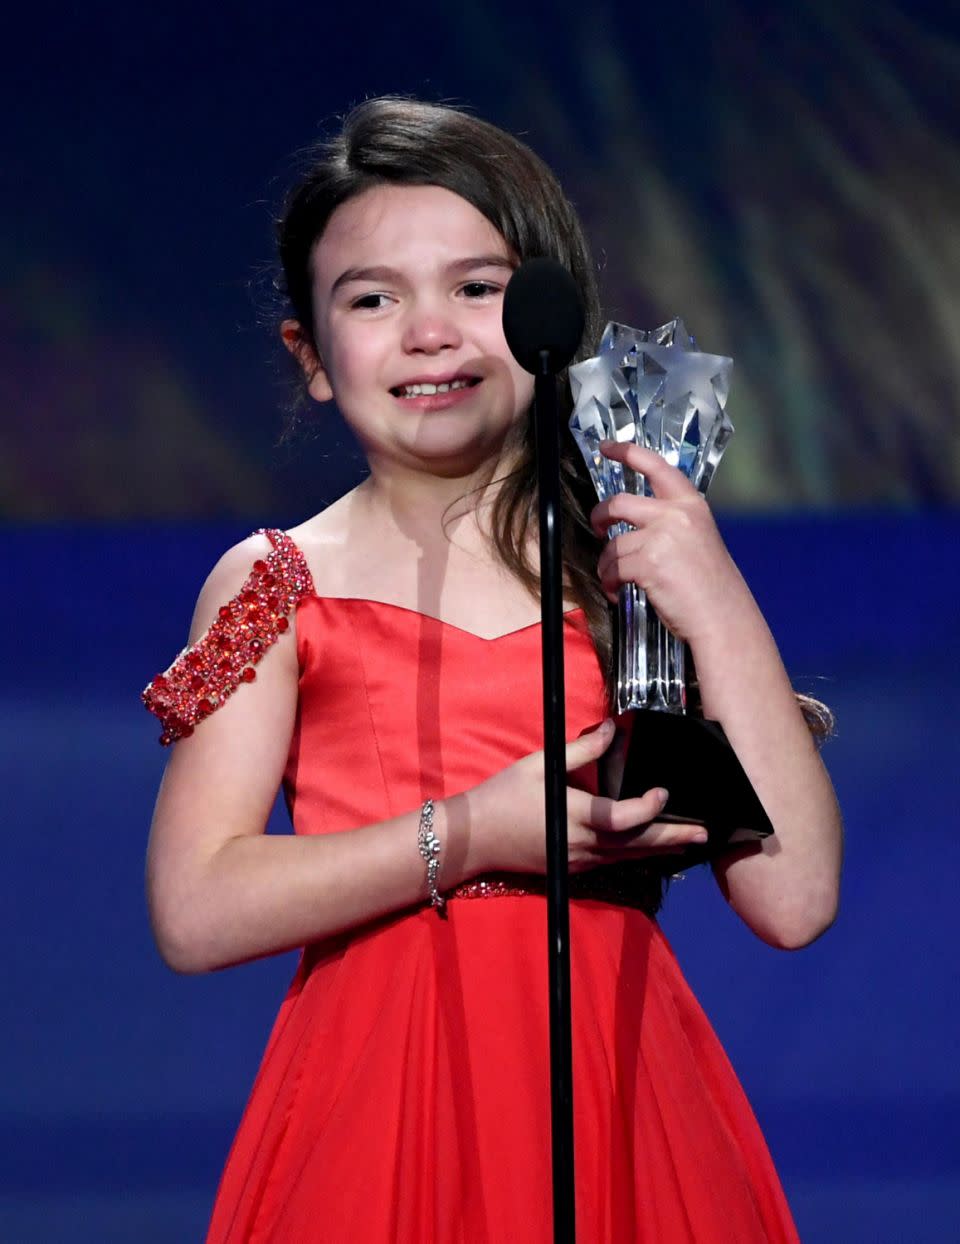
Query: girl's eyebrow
{"points": [[381, 273], [482, 261]]}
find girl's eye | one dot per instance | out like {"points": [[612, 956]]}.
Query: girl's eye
{"points": [[479, 289], [370, 302]]}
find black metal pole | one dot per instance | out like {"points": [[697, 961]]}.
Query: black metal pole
{"points": [[547, 425]]}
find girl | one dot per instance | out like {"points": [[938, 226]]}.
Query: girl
{"points": [[381, 661]]}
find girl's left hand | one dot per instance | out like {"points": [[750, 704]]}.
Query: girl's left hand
{"points": [[675, 554]]}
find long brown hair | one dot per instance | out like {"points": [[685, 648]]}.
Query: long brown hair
{"points": [[392, 140], [408, 142]]}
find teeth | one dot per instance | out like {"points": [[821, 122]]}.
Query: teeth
{"points": [[428, 390]]}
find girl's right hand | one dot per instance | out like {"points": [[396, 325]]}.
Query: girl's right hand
{"points": [[507, 815]]}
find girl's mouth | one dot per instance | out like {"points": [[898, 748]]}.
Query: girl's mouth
{"points": [[427, 388]]}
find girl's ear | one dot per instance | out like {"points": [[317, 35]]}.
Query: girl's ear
{"points": [[294, 338]]}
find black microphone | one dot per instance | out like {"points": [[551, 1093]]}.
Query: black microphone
{"points": [[543, 325], [542, 315]]}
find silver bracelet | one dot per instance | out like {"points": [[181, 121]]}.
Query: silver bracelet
{"points": [[428, 844]]}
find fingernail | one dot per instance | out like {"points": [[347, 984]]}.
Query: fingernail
{"points": [[700, 836], [662, 795]]}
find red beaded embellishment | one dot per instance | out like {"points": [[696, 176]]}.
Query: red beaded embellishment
{"points": [[206, 674]]}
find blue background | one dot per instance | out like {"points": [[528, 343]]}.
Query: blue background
{"points": [[123, 1083], [787, 177]]}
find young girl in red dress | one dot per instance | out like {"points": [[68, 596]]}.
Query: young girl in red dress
{"points": [[381, 662]]}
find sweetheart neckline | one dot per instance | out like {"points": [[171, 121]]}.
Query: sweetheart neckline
{"points": [[417, 613]]}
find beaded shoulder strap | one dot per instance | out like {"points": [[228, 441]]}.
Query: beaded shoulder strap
{"points": [[208, 672]]}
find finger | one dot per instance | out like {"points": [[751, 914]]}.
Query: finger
{"points": [[589, 746], [630, 544], [657, 837], [624, 507], [667, 481], [621, 568], [620, 815]]}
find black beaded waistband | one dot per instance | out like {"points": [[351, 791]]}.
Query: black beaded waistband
{"points": [[633, 884]]}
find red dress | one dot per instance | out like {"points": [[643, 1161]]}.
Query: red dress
{"points": [[403, 1096]]}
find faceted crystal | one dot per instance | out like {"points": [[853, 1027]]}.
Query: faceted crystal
{"points": [[657, 390]]}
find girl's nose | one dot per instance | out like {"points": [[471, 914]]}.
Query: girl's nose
{"points": [[430, 329]]}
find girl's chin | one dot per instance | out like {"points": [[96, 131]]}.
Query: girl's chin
{"points": [[436, 440], [447, 457]]}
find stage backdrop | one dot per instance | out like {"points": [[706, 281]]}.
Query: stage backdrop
{"points": [[784, 176], [123, 1082]]}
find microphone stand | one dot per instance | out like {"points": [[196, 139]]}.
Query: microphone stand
{"points": [[547, 431]]}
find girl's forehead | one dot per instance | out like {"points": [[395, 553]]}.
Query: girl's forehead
{"points": [[386, 223]]}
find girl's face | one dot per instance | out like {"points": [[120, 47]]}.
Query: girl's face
{"points": [[408, 288]]}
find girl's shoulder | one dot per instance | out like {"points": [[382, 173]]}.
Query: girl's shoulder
{"points": [[300, 553], [330, 523], [268, 562], [244, 608], [228, 574], [327, 542]]}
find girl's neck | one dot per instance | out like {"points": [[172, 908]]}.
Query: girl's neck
{"points": [[426, 507]]}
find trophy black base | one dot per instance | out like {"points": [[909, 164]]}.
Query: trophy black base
{"points": [[693, 760]]}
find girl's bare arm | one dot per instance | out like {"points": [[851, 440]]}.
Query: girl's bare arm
{"points": [[787, 888], [221, 891]]}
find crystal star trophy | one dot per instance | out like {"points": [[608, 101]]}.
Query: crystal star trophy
{"points": [[657, 390]]}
